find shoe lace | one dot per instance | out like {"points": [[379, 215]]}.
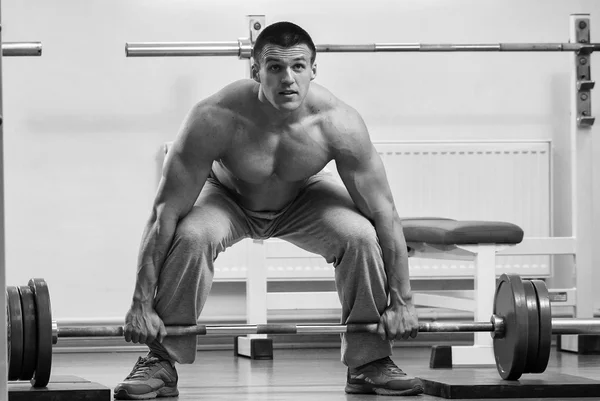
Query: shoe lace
{"points": [[391, 367], [142, 367]]}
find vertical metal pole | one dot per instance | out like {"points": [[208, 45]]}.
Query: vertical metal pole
{"points": [[3, 339], [256, 23], [582, 148], [581, 176]]}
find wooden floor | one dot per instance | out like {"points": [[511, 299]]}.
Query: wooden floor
{"points": [[294, 374]]}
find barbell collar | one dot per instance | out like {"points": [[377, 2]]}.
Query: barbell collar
{"points": [[245, 48], [498, 325]]}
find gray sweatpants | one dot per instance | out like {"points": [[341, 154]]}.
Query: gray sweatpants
{"points": [[322, 219]]}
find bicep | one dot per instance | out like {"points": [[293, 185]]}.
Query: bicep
{"points": [[361, 168], [180, 184]]}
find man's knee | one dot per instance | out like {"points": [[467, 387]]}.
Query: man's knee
{"points": [[363, 237], [194, 238]]}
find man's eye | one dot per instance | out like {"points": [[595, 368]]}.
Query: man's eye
{"points": [[274, 68], [299, 66]]}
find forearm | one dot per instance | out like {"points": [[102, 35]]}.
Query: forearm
{"points": [[156, 241], [395, 259]]}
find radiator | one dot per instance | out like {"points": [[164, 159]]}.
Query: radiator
{"points": [[505, 181]]}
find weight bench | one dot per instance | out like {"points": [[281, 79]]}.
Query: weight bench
{"points": [[426, 237]]}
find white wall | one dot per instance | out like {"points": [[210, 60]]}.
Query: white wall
{"points": [[84, 124]]}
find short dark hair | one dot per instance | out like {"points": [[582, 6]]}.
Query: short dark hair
{"points": [[284, 34]]}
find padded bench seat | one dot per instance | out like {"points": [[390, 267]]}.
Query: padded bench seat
{"points": [[442, 231]]}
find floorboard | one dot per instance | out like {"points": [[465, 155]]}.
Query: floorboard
{"points": [[293, 374]]}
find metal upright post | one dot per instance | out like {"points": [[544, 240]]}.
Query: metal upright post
{"points": [[581, 143], [3, 336], [256, 23]]}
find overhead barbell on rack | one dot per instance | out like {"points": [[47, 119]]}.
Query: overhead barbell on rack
{"points": [[242, 48], [521, 326]]}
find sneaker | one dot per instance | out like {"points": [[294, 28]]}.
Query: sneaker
{"points": [[151, 377], [382, 377]]}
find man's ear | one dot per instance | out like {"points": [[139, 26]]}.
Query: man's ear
{"points": [[313, 71], [255, 69]]}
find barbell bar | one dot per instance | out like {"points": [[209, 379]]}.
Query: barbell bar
{"points": [[270, 328], [242, 48], [559, 326], [521, 326], [19, 49]]}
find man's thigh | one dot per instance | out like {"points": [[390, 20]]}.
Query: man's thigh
{"points": [[215, 219], [324, 218]]}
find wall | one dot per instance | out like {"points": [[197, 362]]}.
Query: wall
{"points": [[84, 124]]}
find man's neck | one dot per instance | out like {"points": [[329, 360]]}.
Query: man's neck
{"points": [[279, 118]]}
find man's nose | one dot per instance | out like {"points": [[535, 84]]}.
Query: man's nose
{"points": [[288, 76]]}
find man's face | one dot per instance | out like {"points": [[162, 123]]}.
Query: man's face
{"points": [[284, 75]]}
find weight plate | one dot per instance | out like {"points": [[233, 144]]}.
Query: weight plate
{"points": [[545, 318], [29, 333], [533, 327], [44, 332], [510, 351], [14, 332]]}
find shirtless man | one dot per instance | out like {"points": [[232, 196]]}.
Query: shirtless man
{"points": [[248, 162]]}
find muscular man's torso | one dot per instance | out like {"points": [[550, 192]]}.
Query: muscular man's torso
{"points": [[265, 164]]}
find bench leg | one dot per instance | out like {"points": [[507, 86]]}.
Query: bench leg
{"points": [[255, 346], [481, 353]]}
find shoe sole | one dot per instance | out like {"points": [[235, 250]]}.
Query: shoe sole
{"points": [[370, 389], [122, 394]]}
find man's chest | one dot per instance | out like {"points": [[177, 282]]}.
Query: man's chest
{"points": [[289, 155]]}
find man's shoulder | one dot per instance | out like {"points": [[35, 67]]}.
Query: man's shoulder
{"points": [[214, 118], [229, 100], [336, 114], [325, 102]]}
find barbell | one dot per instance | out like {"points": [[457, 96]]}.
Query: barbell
{"points": [[521, 327]]}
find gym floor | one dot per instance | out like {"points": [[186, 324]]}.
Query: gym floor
{"points": [[293, 374]]}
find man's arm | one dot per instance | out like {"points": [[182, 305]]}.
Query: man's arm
{"points": [[363, 173], [201, 139]]}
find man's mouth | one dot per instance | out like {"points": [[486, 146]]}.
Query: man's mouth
{"points": [[287, 93]]}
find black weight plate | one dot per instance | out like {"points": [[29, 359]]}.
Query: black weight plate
{"points": [[545, 318], [510, 303], [534, 326], [44, 332], [15, 332], [29, 333]]}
